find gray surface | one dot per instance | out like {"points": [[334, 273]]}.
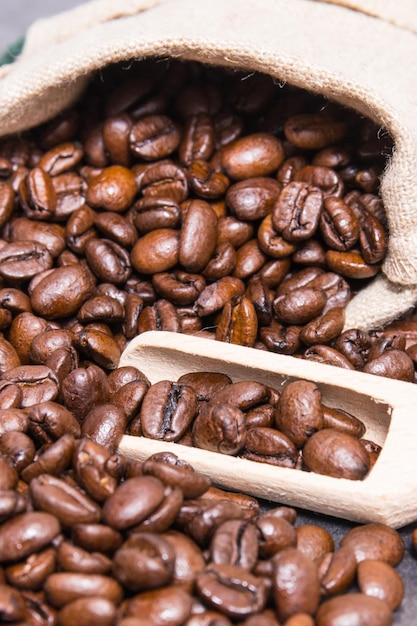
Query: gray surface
{"points": [[16, 16]]}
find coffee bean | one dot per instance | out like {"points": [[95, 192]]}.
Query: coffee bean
{"points": [[27, 533], [358, 607], [233, 590], [299, 413], [375, 541], [296, 586], [337, 454]]}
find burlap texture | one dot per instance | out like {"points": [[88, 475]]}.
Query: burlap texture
{"points": [[340, 49]]}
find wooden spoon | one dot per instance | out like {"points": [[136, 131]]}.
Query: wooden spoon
{"points": [[389, 492]]}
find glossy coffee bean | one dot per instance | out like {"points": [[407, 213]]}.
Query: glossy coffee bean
{"points": [[231, 589], [357, 608], [375, 541], [337, 454], [299, 413]]}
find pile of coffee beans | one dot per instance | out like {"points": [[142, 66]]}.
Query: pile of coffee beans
{"points": [[176, 196], [291, 428], [194, 199], [90, 537]]}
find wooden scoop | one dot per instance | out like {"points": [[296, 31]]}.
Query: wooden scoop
{"points": [[387, 495]]}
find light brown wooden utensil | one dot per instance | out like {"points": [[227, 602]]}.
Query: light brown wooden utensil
{"points": [[387, 407]]}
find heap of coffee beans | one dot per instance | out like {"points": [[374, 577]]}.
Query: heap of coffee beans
{"points": [[193, 199], [90, 537], [292, 428]]}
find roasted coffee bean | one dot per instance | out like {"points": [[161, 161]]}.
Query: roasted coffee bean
{"points": [[296, 586], [105, 424], [74, 559], [233, 590], [326, 354], [132, 502], [48, 421], [154, 137], [108, 261], [252, 198], [380, 580], [9, 359], [299, 412], [337, 454], [280, 338], [376, 542], [61, 588], [356, 607], [113, 189], [337, 571], [255, 155], [220, 428], [276, 534], [37, 195], [235, 231], [354, 344], [196, 245], [299, 306], [338, 224], [164, 179], [13, 419], [268, 445], [235, 542], [156, 251], [12, 503], [144, 561], [198, 139], [153, 213], [314, 541], [167, 411], [325, 328], [61, 292], [326, 179], [9, 475], [45, 343], [214, 296], [297, 210], [117, 228], [176, 473], [205, 384], [94, 610], [350, 264], [154, 605], [314, 131], [31, 573], [18, 447], [343, 421], [83, 388], [37, 383], [69, 504], [99, 347], [12, 605], [392, 364], [23, 260], [206, 182], [27, 533], [52, 236], [238, 322], [54, 459]]}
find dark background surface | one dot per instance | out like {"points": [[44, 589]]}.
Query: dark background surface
{"points": [[16, 16]]}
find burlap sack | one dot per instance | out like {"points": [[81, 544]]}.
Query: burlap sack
{"points": [[362, 53]]}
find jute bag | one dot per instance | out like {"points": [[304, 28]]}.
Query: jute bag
{"points": [[361, 53]]}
